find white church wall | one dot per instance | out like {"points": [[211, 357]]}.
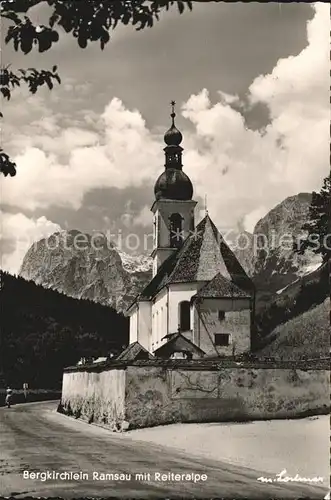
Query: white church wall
{"points": [[162, 234], [160, 319], [192, 337], [145, 323], [160, 256], [134, 326], [164, 209], [178, 292]]}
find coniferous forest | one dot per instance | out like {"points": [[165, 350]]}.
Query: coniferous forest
{"points": [[43, 331]]}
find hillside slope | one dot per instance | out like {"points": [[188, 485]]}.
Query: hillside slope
{"points": [[307, 335], [300, 296]]}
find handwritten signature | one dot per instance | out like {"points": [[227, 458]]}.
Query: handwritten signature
{"points": [[281, 477]]}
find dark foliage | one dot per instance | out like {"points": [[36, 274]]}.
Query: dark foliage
{"points": [[318, 226], [8, 80], [7, 167], [43, 331], [85, 20]]}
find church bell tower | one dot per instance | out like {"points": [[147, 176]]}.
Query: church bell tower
{"points": [[173, 207]]}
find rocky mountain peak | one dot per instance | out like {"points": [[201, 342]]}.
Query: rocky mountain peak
{"points": [[86, 266], [290, 214], [274, 261]]}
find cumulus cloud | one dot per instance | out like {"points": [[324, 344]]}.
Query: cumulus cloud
{"points": [[246, 172], [228, 98], [123, 154], [249, 221], [297, 95], [18, 233], [243, 171], [144, 217]]}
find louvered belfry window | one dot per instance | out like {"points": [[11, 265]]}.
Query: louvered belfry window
{"points": [[176, 230]]}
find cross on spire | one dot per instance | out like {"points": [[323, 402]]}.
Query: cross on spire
{"points": [[173, 138], [206, 209], [173, 114]]}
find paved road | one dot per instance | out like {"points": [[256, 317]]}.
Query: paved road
{"points": [[34, 438]]}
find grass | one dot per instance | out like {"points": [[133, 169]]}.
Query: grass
{"points": [[305, 335], [33, 395]]}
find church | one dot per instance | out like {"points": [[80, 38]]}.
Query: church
{"points": [[200, 301]]}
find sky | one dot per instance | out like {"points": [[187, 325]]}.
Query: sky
{"points": [[251, 82]]}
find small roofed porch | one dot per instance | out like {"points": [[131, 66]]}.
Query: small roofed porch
{"points": [[178, 346]]}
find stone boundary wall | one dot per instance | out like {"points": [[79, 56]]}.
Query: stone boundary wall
{"points": [[148, 393], [155, 396], [94, 396]]}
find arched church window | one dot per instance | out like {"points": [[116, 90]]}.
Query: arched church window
{"points": [[184, 316], [176, 230]]}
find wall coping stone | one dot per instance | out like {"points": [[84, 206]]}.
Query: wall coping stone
{"points": [[203, 364]]}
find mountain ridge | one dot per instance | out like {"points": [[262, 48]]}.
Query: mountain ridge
{"points": [[104, 273]]}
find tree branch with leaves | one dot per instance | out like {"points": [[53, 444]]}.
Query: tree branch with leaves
{"points": [[86, 20]]}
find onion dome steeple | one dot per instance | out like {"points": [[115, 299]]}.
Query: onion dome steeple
{"points": [[173, 136], [173, 183]]}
